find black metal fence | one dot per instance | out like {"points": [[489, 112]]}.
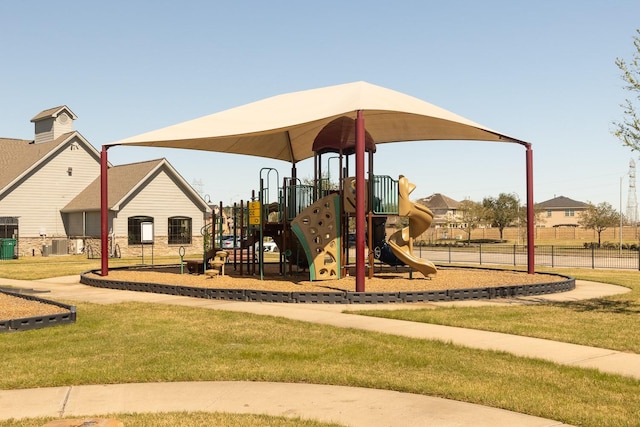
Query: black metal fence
{"points": [[545, 256]]}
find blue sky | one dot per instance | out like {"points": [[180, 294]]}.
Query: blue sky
{"points": [[540, 71]]}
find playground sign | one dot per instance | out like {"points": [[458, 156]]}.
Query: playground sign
{"points": [[254, 213]]}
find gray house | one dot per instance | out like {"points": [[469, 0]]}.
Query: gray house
{"points": [[50, 197]]}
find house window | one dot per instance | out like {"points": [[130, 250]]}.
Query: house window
{"points": [[134, 228], [569, 212], [179, 230], [8, 227], [549, 213]]}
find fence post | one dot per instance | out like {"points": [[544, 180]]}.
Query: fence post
{"points": [[480, 253], [553, 259], [449, 247], [514, 255], [593, 255]]}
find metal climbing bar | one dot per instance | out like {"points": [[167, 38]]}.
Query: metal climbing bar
{"points": [[384, 195]]}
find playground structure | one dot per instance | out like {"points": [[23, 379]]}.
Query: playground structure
{"points": [[310, 222], [284, 127]]}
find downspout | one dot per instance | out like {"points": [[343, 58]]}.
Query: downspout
{"points": [[360, 196], [104, 212]]}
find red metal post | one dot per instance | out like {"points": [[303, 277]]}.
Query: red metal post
{"points": [[104, 212], [360, 197], [531, 261]]}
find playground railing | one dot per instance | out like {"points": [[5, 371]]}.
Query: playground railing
{"points": [[298, 198], [384, 195]]}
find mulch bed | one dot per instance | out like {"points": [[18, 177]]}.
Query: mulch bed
{"points": [[384, 280]]}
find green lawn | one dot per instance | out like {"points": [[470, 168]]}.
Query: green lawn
{"points": [[137, 342], [610, 322], [34, 268]]}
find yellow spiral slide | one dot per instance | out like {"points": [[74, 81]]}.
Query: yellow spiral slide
{"points": [[420, 217]]}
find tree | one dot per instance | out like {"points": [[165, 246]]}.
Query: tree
{"points": [[501, 211], [628, 130], [323, 184], [599, 218], [523, 220], [472, 214]]}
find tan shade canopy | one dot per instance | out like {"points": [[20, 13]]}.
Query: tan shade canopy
{"points": [[284, 127]]}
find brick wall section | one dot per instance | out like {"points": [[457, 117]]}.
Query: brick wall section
{"points": [[33, 247], [579, 234], [160, 248]]}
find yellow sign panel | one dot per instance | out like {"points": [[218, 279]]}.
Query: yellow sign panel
{"points": [[254, 213]]}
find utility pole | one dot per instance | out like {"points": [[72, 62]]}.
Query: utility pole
{"points": [[632, 199]]}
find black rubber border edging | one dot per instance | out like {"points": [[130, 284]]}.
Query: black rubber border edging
{"points": [[37, 322], [252, 295]]}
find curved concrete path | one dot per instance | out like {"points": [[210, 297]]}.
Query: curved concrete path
{"points": [[350, 406], [346, 405]]}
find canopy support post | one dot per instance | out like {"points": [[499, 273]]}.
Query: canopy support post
{"points": [[530, 212], [104, 213], [360, 197]]}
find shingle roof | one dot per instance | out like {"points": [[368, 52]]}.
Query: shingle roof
{"points": [[562, 202], [439, 201], [122, 179], [51, 112], [17, 156]]}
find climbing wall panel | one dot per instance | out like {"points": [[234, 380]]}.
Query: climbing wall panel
{"points": [[318, 230]]}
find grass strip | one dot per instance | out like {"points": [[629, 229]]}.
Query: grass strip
{"points": [[186, 419]]}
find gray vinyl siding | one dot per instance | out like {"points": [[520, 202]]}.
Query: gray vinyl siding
{"points": [[44, 131], [75, 223], [92, 224], [38, 199], [161, 198], [85, 224], [51, 128]]}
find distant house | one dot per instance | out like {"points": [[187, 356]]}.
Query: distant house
{"points": [[561, 211], [445, 210], [50, 195]]}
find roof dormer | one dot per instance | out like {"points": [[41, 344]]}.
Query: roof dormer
{"points": [[52, 123]]}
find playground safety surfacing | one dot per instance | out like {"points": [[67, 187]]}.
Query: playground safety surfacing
{"points": [[171, 284]]}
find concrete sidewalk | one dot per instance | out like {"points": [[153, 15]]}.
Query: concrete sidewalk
{"points": [[350, 406], [346, 405]]}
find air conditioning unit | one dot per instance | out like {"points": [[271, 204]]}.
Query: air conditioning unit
{"points": [[59, 246], [79, 246], [76, 246]]}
